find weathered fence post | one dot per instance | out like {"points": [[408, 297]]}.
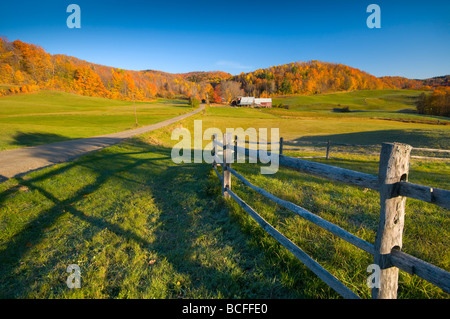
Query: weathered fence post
{"points": [[214, 137], [227, 153], [235, 148], [394, 167], [328, 150], [281, 146]]}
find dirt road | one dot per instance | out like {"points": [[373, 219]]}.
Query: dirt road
{"points": [[19, 161]]}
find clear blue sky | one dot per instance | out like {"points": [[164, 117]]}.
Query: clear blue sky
{"points": [[239, 36]]}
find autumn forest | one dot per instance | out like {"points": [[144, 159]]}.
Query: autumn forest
{"points": [[27, 68]]}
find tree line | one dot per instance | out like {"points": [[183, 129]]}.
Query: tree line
{"points": [[27, 68], [435, 103]]}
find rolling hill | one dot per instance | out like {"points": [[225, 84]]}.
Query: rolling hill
{"points": [[27, 67]]}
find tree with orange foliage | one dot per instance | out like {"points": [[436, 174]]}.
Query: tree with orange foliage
{"points": [[216, 98], [88, 82], [436, 103]]}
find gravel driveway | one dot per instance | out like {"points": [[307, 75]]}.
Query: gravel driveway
{"points": [[19, 161]]}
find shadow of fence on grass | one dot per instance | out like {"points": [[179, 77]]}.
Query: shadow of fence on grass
{"points": [[17, 162], [414, 137], [189, 211]]}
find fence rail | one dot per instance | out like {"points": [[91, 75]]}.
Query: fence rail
{"points": [[393, 187], [332, 228], [328, 146], [296, 251]]}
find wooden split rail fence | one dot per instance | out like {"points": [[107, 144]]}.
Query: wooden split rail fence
{"points": [[328, 147], [393, 187]]}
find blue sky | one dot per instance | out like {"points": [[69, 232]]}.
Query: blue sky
{"points": [[239, 36]]}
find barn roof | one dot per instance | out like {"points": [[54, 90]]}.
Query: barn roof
{"points": [[263, 100], [246, 100]]}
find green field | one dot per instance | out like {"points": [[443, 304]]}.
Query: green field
{"points": [[382, 104], [345, 130], [140, 226], [373, 100], [51, 116]]}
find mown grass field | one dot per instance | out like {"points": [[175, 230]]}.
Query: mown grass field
{"points": [[376, 104], [52, 116], [364, 100], [344, 130], [140, 226]]}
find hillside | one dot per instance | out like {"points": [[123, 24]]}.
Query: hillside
{"points": [[315, 77], [438, 81], [27, 67], [51, 116], [201, 76], [390, 100]]}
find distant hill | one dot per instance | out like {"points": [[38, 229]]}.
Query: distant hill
{"points": [[314, 77], [201, 76], [438, 81], [26, 67]]}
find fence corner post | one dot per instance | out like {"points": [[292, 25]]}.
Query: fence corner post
{"points": [[227, 153], [394, 167]]}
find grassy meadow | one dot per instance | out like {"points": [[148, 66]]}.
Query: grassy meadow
{"points": [[140, 226], [377, 104], [52, 116], [364, 100]]}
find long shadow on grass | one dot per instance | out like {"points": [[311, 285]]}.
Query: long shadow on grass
{"points": [[199, 239], [190, 212], [32, 139], [414, 137], [33, 233], [87, 160]]}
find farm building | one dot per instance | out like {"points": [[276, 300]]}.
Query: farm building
{"points": [[263, 102], [253, 102], [245, 101]]}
